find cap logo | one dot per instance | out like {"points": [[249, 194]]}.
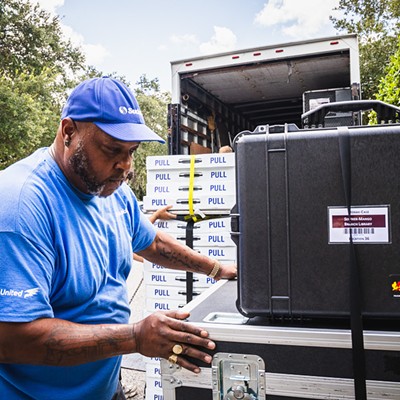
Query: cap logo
{"points": [[128, 110]]}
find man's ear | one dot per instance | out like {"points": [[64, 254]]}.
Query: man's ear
{"points": [[68, 129]]}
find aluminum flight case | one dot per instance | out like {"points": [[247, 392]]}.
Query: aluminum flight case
{"points": [[255, 359], [292, 224]]}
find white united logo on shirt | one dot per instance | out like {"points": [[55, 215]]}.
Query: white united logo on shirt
{"points": [[122, 212], [19, 293]]}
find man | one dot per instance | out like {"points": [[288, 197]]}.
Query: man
{"points": [[68, 226], [161, 213]]}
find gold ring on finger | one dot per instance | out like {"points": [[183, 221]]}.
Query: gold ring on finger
{"points": [[177, 349], [173, 359]]}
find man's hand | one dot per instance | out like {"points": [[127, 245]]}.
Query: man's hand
{"points": [[157, 335], [162, 213], [227, 272]]}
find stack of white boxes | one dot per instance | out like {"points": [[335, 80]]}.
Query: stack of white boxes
{"points": [[213, 188], [168, 183]]}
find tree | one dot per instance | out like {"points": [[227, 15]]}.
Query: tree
{"points": [[28, 115], [153, 104], [377, 23], [36, 67], [389, 85], [31, 41]]}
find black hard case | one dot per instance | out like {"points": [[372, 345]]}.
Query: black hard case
{"points": [[286, 183], [302, 360]]}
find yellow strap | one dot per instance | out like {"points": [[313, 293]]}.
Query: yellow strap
{"points": [[191, 187]]}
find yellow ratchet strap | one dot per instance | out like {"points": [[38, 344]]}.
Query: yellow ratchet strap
{"points": [[191, 188]]}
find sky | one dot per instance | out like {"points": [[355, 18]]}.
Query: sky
{"points": [[136, 37]]}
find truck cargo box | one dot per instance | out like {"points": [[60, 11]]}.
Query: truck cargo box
{"points": [[216, 96]]}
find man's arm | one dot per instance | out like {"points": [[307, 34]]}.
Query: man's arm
{"points": [[168, 252], [56, 342], [162, 213]]}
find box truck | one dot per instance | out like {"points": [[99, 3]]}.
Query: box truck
{"points": [[217, 96]]}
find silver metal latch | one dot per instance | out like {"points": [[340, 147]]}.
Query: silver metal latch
{"points": [[238, 377]]}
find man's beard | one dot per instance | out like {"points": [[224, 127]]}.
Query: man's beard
{"points": [[81, 166]]}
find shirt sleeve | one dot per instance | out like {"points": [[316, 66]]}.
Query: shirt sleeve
{"points": [[148, 234], [25, 271], [144, 232]]}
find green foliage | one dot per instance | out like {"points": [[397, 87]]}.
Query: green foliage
{"points": [[369, 17], [36, 65], [389, 85], [28, 115], [377, 23], [31, 40]]}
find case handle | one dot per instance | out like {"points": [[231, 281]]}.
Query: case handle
{"points": [[386, 112]]}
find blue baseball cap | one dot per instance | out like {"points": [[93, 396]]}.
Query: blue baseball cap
{"points": [[111, 106]]}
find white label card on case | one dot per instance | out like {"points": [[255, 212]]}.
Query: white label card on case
{"points": [[367, 224]]}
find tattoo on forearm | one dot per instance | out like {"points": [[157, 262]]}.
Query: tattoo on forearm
{"points": [[178, 258], [67, 347]]}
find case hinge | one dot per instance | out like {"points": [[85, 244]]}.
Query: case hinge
{"points": [[238, 377]]}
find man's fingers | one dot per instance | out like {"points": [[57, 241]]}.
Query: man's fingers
{"points": [[185, 363], [186, 333], [178, 325], [178, 314], [188, 340], [192, 353]]}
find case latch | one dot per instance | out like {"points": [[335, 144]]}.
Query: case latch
{"points": [[238, 377]]}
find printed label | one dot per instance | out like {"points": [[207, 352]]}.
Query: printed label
{"points": [[366, 224]]}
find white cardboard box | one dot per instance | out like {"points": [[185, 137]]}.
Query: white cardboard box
{"points": [[178, 279], [183, 161], [170, 292], [182, 177], [218, 253], [215, 203], [213, 225], [154, 389], [171, 225], [212, 239], [164, 304], [181, 189]]}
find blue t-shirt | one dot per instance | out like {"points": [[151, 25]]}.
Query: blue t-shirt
{"points": [[64, 254]]}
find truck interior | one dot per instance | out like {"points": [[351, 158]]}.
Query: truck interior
{"points": [[219, 103]]}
